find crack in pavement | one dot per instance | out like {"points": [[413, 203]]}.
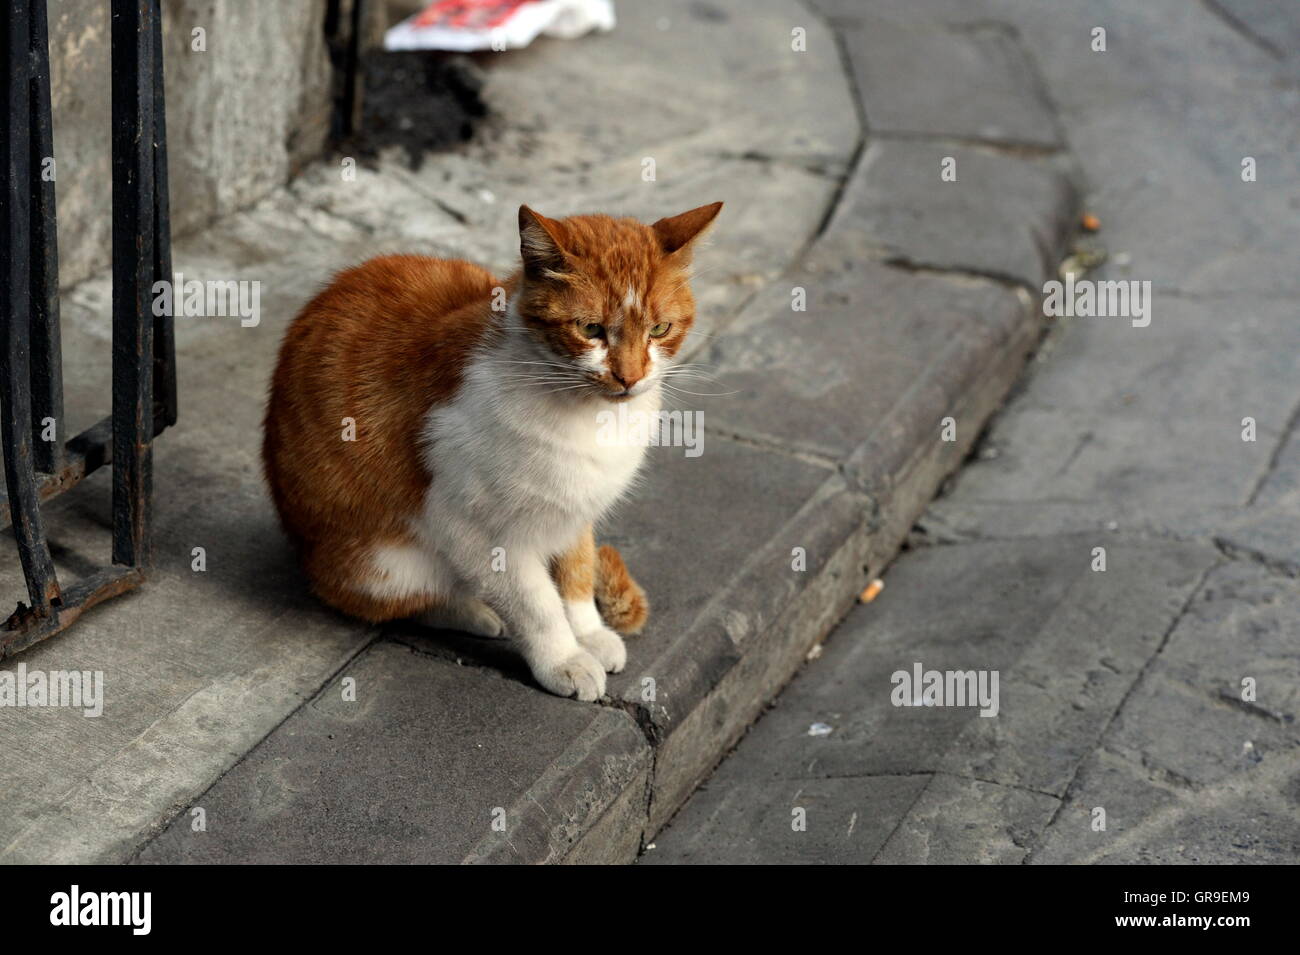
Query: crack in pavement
{"points": [[1241, 29], [1141, 676]]}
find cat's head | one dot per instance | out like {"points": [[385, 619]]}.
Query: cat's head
{"points": [[607, 301]]}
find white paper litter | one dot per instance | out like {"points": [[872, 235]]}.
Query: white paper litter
{"points": [[466, 25]]}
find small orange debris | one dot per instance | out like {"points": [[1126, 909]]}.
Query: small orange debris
{"points": [[1090, 222], [873, 591]]}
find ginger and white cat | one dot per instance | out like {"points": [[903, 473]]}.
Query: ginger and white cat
{"points": [[432, 456]]}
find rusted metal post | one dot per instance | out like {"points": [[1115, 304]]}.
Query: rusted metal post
{"points": [[345, 57], [164, 341], [134, 225], [47, 358], [15, 322]]}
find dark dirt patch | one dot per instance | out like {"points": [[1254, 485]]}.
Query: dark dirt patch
{"points": [[708, 12], [421, 101]]}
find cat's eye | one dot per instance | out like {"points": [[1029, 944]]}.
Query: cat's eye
{"points": [[591, 329], [660, 330]]}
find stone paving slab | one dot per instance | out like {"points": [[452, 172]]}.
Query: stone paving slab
{"points": [[1242, 626], [1242, 821], [1160, 122], [1003, 216], [197, 667], [1190, 721], [1168, 730], [990, 91], [1030, 610], [1120, 411], [417, 768], [1162, 125], [1190, 771], [765, 645], [847, 821], [939, 829], [824, 398]]}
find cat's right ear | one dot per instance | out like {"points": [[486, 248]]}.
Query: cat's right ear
{"points": [[540, 245]]}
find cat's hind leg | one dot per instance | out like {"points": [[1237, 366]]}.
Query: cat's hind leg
{"points": [[423, 582], [376, 580], [467, 614]]}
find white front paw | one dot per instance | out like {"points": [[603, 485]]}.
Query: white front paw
{"points": [[607, 647], [579, 674]]}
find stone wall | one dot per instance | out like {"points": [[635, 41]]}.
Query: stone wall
{"points": [[242, 114]]}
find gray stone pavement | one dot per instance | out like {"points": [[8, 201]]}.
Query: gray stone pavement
{"points": [[229, 692], [1121, 691]]}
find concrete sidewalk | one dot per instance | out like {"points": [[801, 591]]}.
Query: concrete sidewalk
{"points": [[225, 688], [1116, 551]]}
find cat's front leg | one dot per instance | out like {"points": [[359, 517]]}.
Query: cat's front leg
{"points": [[527, 600], [574, 571]]}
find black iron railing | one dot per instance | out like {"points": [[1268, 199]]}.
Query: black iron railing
{"points": [[344, 47], [38, 464]]}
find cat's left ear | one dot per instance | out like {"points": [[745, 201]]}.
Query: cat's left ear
{"points": [[677, 233], [540, 244]]}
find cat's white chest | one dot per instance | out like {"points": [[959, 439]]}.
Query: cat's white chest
{"points": [[567, 462], [585, 466], [541, 467]]}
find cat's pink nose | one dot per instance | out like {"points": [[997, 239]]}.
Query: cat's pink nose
{"points": [[627, 382]]}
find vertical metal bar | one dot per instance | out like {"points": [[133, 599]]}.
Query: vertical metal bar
{"points": [[334, 44], [15, 281], [47, 359], [164, 343], [133, 268], [352, 69], [333, 17]]}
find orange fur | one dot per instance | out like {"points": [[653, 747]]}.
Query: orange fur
{"points": [[574, 570], [623, 604], [383, 343], [582, 572]]}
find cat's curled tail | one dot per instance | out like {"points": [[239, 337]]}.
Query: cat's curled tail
{"points": [[621, 601]]}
